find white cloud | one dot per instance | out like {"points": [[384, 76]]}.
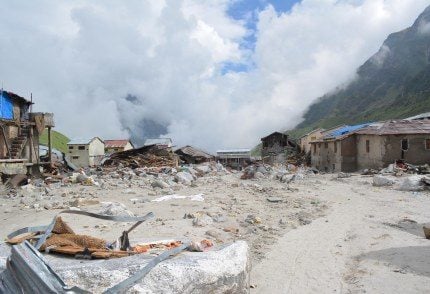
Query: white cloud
{"points": [[81, 60]]}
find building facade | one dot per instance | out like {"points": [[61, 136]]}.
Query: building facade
{"points": [[235, 158], [112, 146], [19, 134], [374, 146], [305, 140], [86, 152], [275, 148]]}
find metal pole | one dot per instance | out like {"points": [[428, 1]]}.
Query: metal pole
{"points": [[49, 146]]}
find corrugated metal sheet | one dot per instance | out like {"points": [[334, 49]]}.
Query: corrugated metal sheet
{"points": [[345, 130], [116, 143], [159, 141], [6, 106], [397, 127], [192, 151]]}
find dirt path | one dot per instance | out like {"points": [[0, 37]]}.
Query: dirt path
{"points": [[369, 242]]}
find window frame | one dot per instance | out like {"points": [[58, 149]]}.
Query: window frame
{"points": [[425, 144], [367, 146], [401, 144]]}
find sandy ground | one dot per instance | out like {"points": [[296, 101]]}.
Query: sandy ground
{"points": [[321, 235]]}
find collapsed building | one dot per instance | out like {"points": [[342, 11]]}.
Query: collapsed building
{"points": [[373, 146], [20, 132], [276, 147], [235, 158], [189, 154]]}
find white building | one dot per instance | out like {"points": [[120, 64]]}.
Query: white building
{"points": [[86, 152]]}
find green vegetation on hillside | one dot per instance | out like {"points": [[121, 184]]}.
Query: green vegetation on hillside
{"points": [[392, 84], [59, 141]]}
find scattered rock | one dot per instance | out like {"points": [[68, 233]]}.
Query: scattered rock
{"points": [[83, 202], [184, 178], [160, 184], [274, 199], [115, 208], [202, 221], [251, 219], [342, 175], [412, 183], [380, 181]]}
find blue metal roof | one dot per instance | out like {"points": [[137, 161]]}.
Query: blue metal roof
{"points": [[345, 130]]}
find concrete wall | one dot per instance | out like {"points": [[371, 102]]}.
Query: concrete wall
{"points": [[348, 154], [96, 152], [325, 157], [305, 141], [80, 158], [371, 158], [416, 154]]}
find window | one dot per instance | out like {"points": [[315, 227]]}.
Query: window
{"points": [[367, 146], [81, 147], [75, 157], [405, 144], [313, 138], [427, 142], [335, 148], [326, 145], [315, 148], [70, 147]]}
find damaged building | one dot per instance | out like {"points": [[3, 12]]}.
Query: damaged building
{"points": [[20, 131], [235, 158], [373, 146], [276, 148], [305, 140], [112, 146], [189, 154]]}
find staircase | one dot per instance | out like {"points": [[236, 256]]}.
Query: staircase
{"points": [[18, 143]]}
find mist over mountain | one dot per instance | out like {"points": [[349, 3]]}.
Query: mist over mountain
{"points": [[393, 83]]}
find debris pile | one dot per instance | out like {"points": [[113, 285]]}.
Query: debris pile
{"points": [[147, 156]]}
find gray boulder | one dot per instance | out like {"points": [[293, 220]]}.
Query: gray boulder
{"points": [[380, 181], [184, 178], [412, 183], [225, 270]]}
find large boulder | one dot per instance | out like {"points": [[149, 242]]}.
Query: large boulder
{"points": [[204, 169], [115, 208], [184, 178], [412, 183], [225, 270], [380, 181]]}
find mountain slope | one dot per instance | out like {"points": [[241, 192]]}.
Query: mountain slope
{"points": [[59, 141], [394, 83]]}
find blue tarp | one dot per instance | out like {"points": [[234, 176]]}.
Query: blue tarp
{"points": [[346, 130], [6, 106]]}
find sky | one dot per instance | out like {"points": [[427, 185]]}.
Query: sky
{"points": [[215, 74]]}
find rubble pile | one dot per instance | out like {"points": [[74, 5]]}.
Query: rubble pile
{"points": [[147, 156]]}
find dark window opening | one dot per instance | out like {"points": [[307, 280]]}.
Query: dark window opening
{"points": [[70, 147], [335, 147], [427, 144], [405, 144], [315, 148], [75, 157], [81, 147], [367, 146], [326, 145]]}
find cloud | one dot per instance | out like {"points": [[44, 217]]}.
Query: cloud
{"points": [[148, 68]]}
